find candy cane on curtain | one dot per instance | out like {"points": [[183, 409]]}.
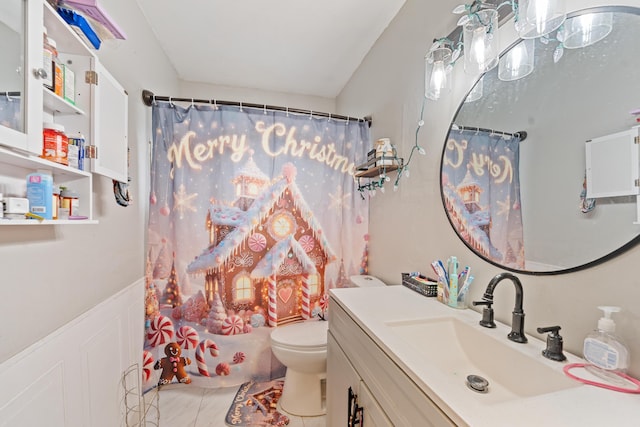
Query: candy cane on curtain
{"points": [[306, 297], [273, 314]]}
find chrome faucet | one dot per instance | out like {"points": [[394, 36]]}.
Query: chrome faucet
{"points": [[517, 322]]}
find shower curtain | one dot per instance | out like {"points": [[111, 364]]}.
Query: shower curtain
{"points": [[481, 191], [253, 217]]}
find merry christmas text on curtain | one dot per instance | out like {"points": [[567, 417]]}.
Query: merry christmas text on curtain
{"points": [[481, 189], [254, 215]]}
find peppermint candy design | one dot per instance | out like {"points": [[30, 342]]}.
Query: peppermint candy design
{"points": [[232, 325], [307, 242], [238, 357], [223, 369], [187, 337], [147, 365], [257, 242], [160, 331]]}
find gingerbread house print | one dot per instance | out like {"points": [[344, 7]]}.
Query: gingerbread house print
{"points": [[472, 220], [266, 249]]}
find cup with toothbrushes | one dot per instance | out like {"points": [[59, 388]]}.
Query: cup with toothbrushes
{"points": [[455, 283]]}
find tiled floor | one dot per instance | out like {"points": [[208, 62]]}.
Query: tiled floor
{"points": [[188, 406]]}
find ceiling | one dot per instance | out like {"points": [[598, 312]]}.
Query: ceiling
{"points": [[292, 46]]}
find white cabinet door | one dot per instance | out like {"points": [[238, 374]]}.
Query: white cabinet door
{"points": [[109, 126], [613, 163], [23, 38], [340, 376], [373, 414]]}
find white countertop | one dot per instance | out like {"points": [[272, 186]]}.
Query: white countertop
{"points": [[582, 405]]}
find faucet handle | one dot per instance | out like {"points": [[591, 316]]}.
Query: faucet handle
{"points": [[487, 313], [554, 343]]}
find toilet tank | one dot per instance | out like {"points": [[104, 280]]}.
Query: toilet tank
{"points": [[365, 281]]}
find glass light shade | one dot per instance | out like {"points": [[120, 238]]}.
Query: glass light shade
{"points": [[539, 17], [477, 91], [517, 62], [437, 76], [584, 30], [480, 37]]}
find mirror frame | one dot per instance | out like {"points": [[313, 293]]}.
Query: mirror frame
{"points": [[624, 248]]}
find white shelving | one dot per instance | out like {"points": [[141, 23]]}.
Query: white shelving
{"points": [[100, 113]]}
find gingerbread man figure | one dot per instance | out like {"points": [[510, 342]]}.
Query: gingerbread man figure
{"points": [[173, 365]]}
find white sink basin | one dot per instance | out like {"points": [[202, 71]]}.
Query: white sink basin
{"points": [[458, 349]]}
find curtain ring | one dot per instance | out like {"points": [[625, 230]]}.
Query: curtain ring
{"points": [[287, 109], [170, 102], [215, 105], [192, 102], [310, 114], [153, 100], [241, 107], [264, 109], [329, 119]]}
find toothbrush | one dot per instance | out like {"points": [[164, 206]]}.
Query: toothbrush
{"points": [[438, 268], [465, 287], [453, 279]]}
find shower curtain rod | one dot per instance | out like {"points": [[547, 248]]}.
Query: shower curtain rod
{"points": [[520, 134], [148, 98]]}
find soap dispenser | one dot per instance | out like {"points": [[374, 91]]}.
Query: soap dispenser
{"points": [[605, 352]]}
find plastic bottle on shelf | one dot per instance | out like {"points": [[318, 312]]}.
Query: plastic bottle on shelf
{"points": [[40, 194], [55, 144], [55, 202], [70, 202]]}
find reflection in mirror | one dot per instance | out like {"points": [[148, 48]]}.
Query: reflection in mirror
{"points": [[573, 94], [12, 33]]}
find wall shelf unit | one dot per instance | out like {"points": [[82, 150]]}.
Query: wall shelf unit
{"points": [[370, 170], [99, 112]]}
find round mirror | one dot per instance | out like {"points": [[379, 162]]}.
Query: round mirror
{"points": [[514, 173]]}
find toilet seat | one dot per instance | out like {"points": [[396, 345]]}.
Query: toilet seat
{"points": [[303, 336]]}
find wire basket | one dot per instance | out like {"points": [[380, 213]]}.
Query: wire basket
{"points": [[426, 289]]}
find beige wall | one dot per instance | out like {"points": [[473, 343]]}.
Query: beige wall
{"points": [[52, 274], [409, 228]]}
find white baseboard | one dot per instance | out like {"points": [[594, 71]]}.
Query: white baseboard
{"points": [[72, 377]]}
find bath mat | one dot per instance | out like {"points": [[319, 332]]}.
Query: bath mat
{"points": [[255, 405]]}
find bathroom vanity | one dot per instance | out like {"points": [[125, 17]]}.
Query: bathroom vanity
{"points": [[407, 357]]}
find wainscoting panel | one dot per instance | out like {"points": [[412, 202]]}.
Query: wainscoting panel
{"points": [[72, 378]]}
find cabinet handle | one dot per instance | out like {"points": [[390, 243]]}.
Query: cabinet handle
{"points": [[40, 73], [355, 412]]}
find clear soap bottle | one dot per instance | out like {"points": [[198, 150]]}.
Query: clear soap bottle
{"points": [[607, 355]]}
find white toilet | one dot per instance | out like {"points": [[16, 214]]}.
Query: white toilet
{"points": [[302, 348]]}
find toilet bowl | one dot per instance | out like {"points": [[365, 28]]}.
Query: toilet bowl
{"points": [[302, 348]]}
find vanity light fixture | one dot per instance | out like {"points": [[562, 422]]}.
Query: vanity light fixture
{"points": [[480, 39], [536, 18], [437, 72], [517, 62], [585, 30]]}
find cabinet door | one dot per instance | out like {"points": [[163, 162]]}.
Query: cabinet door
{"points": [[109, 126], [613, 164], [20, 86], [373, 413], [340, 376]]}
